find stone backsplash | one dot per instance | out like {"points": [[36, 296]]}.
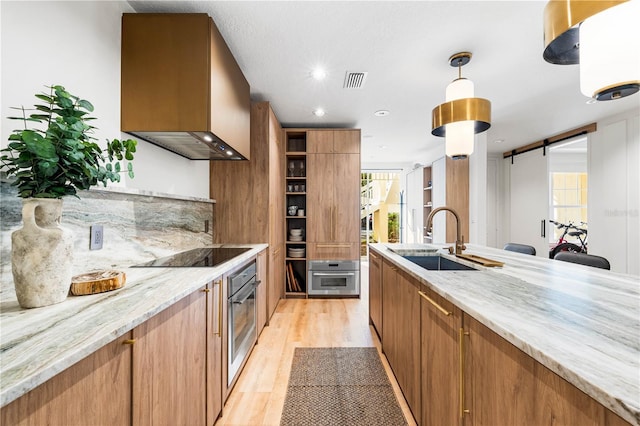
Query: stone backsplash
{"points": [[138, 226]]}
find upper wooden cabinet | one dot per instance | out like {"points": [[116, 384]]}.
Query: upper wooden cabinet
{"points": [[178, 75], [345, 141]]}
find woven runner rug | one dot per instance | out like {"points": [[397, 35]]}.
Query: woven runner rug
{"points": [[339, 386]]}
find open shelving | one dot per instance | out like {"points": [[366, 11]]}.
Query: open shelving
{"points": [[295, 195]]}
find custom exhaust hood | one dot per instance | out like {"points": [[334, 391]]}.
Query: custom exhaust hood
{"points": [[182, 88]]}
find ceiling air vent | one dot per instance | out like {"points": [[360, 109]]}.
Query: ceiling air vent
{"points": [[354, 80]]}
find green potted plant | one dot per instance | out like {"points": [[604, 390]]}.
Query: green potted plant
{"points": [[54, 157]]}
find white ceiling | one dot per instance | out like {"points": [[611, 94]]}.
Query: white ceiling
{"points": [[404, 46]]}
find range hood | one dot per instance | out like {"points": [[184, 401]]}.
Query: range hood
{"points": [[181, 87]]}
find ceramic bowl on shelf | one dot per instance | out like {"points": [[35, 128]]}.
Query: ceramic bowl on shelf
{"points": [[292, 210], [295, 232], [295, 238], [295, 252]]}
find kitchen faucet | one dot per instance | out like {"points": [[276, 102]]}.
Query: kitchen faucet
{"points": [[459, 238]]}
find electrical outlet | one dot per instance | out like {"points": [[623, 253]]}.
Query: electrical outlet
{"points": [[97, 236]]}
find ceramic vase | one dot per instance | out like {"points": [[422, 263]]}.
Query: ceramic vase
{"points": [[41, 254]]}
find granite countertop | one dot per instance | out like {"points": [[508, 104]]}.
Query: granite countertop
{"points": [[36, 344], [581, 322]]}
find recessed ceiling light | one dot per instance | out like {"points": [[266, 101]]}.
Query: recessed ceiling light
{"points": [[591, 101], [381, 113], [318, 112], [319, 74], [498, 141]]}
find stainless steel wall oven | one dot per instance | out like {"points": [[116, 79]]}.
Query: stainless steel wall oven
{"points": [[241, 314], [334, 278]]}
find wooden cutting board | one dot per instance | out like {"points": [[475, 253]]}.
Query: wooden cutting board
{"points": [[97, 282], [481, 260]]}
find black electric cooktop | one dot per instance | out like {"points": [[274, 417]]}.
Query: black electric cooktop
{"points": [[200, 257]]}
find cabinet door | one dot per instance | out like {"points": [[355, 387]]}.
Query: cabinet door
{"points": [[94, 391], [346, 141], [320, 208], [440, 325], [215, 324], [276, 281], [375, 292], [261, 291], [401, 332], [169, 365], [332, 251], [319, 141], [509, 387], [346, 199]]}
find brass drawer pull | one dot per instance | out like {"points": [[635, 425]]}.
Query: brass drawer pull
{"points": [[373, 255], [434, 303], [128, 341], [206, 290], [334, 245]]}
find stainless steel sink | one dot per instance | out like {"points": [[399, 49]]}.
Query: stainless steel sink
{"points": [[438, 263]]}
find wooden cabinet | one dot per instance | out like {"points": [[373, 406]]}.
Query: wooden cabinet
{"points": [[345, 141], [468, 374], [215, 324], [401, 332], [166, 371], [250, 197], [333, 200], [323, 179], [94, 391], [261, 291], [375, 291], [178, 75], [507, 386], [450, 187], [169, 365], [440, 354]]}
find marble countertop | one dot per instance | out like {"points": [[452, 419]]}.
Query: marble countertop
{"points": [[36, 344], [581, 322]]}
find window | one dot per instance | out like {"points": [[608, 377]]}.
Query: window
{"points": [[569, 199]]}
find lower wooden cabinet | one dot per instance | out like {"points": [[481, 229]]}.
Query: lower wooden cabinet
{"points": [[166, 371], [453, 370], [169, 365], [507, 386], [94, 391], [401, 332], [261, 292], [440, 354], [375, 292]]}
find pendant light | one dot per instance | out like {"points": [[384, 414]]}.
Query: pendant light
{"points": [[603, 37], [462, 115]]}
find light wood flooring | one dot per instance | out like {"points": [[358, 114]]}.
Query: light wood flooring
{"points": [[258, 397]]}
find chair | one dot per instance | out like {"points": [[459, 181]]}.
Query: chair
{"points": [[583, 259], [520, 248]]}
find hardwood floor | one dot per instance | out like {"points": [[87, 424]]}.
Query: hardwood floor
{"points": [[259, 394]]}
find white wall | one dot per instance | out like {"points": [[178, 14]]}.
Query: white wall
{"points": [[614, 192], [76, 44]]}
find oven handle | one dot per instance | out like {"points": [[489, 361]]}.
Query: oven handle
{"points": [[333, 274], [244, 299]]}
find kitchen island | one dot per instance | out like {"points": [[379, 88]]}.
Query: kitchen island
{"points": [[37, 344], [581, 323]]}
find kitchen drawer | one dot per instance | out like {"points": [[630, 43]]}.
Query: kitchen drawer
{"points": [[333, 251]]}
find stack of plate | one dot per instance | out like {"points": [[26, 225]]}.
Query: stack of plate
{"points": [[295, 252], [295, 235]]}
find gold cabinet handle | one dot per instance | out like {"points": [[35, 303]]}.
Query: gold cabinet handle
{"points": [[333, 245], [206, 290], [434, 303], [373, 255], [128, 341], [219, 308], [462, 333]]}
